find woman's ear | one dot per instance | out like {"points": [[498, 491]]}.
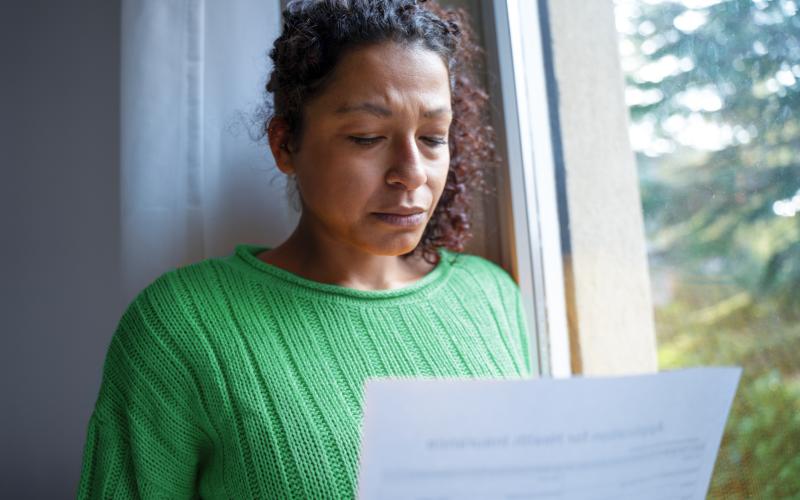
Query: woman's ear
{"points": [[279, 138]]}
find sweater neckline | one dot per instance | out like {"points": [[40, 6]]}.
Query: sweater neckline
{"points": [[247, 253]]}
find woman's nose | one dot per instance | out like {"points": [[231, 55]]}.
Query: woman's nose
{"points": [[407, 169]]}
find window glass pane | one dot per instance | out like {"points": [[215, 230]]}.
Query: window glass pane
{"points": [[713, 88]]}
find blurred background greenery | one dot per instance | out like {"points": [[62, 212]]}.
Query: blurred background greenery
{"points": [[713, 88]]}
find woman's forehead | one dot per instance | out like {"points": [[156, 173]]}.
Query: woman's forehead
{"points": [[384, 112], [375, 79]]}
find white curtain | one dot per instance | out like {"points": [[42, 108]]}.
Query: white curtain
{"points": [[194, 182]]}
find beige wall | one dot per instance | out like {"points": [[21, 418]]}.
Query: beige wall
{"points": [[608, 287]]}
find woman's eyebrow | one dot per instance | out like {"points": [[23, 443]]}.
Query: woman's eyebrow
{"points": [[382, 112], [432, 113], [365, 107]]}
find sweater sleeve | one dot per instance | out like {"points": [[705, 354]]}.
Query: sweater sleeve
{"points": [[523, 331], [511, 299], [508, 299], [142, 439]]}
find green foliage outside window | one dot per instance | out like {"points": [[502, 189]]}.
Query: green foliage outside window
{"points": [[714, 94]]}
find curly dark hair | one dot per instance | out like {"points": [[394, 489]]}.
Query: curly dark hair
{"points": [[316, 34]]}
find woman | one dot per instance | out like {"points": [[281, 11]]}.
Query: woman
{"points": [[241, 377]]}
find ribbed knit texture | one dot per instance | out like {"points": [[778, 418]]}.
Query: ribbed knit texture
{"points": [[231, 378]]}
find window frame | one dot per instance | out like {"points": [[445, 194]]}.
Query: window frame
{"points": [[531, 225]]}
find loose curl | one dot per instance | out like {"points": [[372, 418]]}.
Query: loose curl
{"points": [[315, 36]]}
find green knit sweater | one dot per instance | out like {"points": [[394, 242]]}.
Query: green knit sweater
{"points": [[232, 378]]}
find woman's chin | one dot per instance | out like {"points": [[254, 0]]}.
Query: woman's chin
{"points": [[396, 245]]}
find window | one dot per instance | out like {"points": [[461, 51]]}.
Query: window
{"points": [[713, 88], [517, 223]]}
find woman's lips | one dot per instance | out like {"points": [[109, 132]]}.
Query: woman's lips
{"points": [[409, 220]]}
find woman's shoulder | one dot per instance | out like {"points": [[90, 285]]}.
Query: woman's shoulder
{"points": [[153, 353], [172, 305], [478, 267], [480, 278], [176, 289], [188, 283]]}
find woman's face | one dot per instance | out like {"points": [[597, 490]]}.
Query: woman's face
{"points": [[374, 154]]}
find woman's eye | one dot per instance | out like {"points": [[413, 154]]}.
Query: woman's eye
{"points": [[364, 141], [368, 141], [435, 141]]}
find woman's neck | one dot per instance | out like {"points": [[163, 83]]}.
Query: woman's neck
{"points": [[313, 256]]}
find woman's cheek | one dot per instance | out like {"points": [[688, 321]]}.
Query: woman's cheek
{"points": [[441, 175]]}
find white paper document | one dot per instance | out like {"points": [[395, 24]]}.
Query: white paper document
{"points": [[635, 437]]}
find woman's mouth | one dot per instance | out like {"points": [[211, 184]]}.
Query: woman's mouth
{"points": [[405, 220]]}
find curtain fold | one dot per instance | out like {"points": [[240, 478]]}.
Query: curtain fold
{"points": [[195, 181]]}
